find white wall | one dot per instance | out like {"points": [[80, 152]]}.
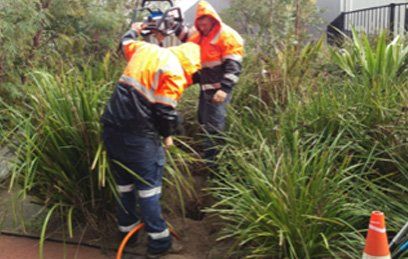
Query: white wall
{"points": [[351, 5], [329, 9], [382, 14], [189, 6]]}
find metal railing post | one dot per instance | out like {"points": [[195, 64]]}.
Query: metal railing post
{"points": [[335, 30], [392, 19]]}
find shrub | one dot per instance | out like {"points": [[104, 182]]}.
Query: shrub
{"points": [[42, 33]]}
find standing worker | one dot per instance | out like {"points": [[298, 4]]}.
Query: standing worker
{"points": [[141, 112], [222, 50]]}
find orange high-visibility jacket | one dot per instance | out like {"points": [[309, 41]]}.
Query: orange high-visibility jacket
{"points": [[153, 81], [221, 51]]}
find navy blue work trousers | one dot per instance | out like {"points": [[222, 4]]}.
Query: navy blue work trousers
{"points": [[212, 118], [138, 161]]}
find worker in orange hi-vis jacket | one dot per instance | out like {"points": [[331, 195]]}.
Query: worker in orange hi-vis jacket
{"points": [[222, 50], [140, 115]]}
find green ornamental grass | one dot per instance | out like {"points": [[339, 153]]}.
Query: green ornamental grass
{"points": [[60, 160], [300, 180]]}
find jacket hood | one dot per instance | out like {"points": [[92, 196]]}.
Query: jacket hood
{"points": [[189, 56], [206, 9]]}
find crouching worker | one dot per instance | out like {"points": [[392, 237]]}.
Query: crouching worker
{"points": [[140, 116]]}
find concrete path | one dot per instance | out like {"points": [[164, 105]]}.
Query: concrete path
{"points": [[26, 248]]}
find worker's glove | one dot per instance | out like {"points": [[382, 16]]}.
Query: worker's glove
{"points": [[168, 142], [219, 97]]}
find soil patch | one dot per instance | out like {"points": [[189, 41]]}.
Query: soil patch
{"points": [[198, 233]]}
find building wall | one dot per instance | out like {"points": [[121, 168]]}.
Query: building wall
{"points": [[351, 5], [329, 9], [369, 21], [189, 7]]}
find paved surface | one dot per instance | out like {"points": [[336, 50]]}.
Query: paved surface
{"points": [[4, 167], [26, 248]]}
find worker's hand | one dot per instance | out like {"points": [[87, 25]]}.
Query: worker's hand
{"points": [[219, 97], [159, 36], [138, 27], [174, 24], [168, 142]]}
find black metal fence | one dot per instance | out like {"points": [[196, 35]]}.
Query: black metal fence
{"points": [[393, 17]]}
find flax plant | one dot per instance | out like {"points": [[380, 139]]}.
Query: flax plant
{"points": [[56, 140], [178, 178], [373, 102], [376, 65]]}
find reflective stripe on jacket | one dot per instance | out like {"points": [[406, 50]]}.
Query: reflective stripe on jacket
{"points": [[153, 81], [222, 51]]}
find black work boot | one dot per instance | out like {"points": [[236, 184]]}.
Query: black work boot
{"points": [[175, 248], [131, 242]]}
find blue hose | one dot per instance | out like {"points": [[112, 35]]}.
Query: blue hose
{"points": [[404, 247]]}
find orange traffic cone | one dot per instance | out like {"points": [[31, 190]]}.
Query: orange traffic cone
{"points": [[376, 246]]}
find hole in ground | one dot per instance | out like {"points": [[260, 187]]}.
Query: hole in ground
{"points": [[193, 211]]}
